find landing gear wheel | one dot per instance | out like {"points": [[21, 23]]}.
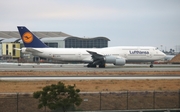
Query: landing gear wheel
{"points": [[151, 66], [91, 65], [102, 66], [94, 66]]}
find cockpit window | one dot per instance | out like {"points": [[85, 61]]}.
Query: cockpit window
{"points": [[156, 48]]}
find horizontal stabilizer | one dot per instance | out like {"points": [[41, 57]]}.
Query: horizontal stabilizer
{"points": [[33, 50], [18, 49]]}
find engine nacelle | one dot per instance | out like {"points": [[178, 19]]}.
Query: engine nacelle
{"points": [[120, 62], [115, 60]]}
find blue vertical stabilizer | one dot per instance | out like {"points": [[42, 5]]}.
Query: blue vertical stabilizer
{"points": [[29, 39]]}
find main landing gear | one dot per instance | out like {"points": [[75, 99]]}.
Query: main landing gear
{"points": [[102, 65], [91, 65]]}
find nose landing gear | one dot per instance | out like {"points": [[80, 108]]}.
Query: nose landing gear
{"points": [[151, 66]]}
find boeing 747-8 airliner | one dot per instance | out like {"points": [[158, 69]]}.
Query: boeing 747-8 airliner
{"points": [[93, 56]]}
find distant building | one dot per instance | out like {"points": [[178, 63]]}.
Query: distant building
{"points": [[11, 39], [177, 49], [76, 42], [9, 51]]}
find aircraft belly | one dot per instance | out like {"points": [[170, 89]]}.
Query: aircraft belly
{"points": [[138, 58], [40, 55], [135, 60], [70, 58]]}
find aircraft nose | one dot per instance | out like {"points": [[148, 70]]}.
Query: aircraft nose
{"points": [[163, 54]]}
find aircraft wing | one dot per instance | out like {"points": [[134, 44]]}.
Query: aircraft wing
{"points": [[33, 50], [101, 59], [96, 57], [94, 54]]}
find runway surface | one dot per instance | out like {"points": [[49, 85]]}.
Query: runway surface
{"points": [[32, 78], [81, 67]]}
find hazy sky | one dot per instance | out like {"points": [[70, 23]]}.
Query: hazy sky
{"points": [[124, 22]]}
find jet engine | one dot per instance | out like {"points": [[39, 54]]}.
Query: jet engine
{"points": [[115, 60]]}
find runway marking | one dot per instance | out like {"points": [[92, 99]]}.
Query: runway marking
{"points": [[80, 67], [86, 78]]}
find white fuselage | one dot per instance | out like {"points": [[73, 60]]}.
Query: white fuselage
{"points": [[130, 54]]}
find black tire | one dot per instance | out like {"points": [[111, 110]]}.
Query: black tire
{"points": [[151, 66], [102, 66], [91, 65]]}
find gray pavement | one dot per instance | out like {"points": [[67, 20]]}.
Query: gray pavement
{"points": [[82, 67]]}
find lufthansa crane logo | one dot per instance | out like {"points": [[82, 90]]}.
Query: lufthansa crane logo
{"points": [[27, 37]]}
